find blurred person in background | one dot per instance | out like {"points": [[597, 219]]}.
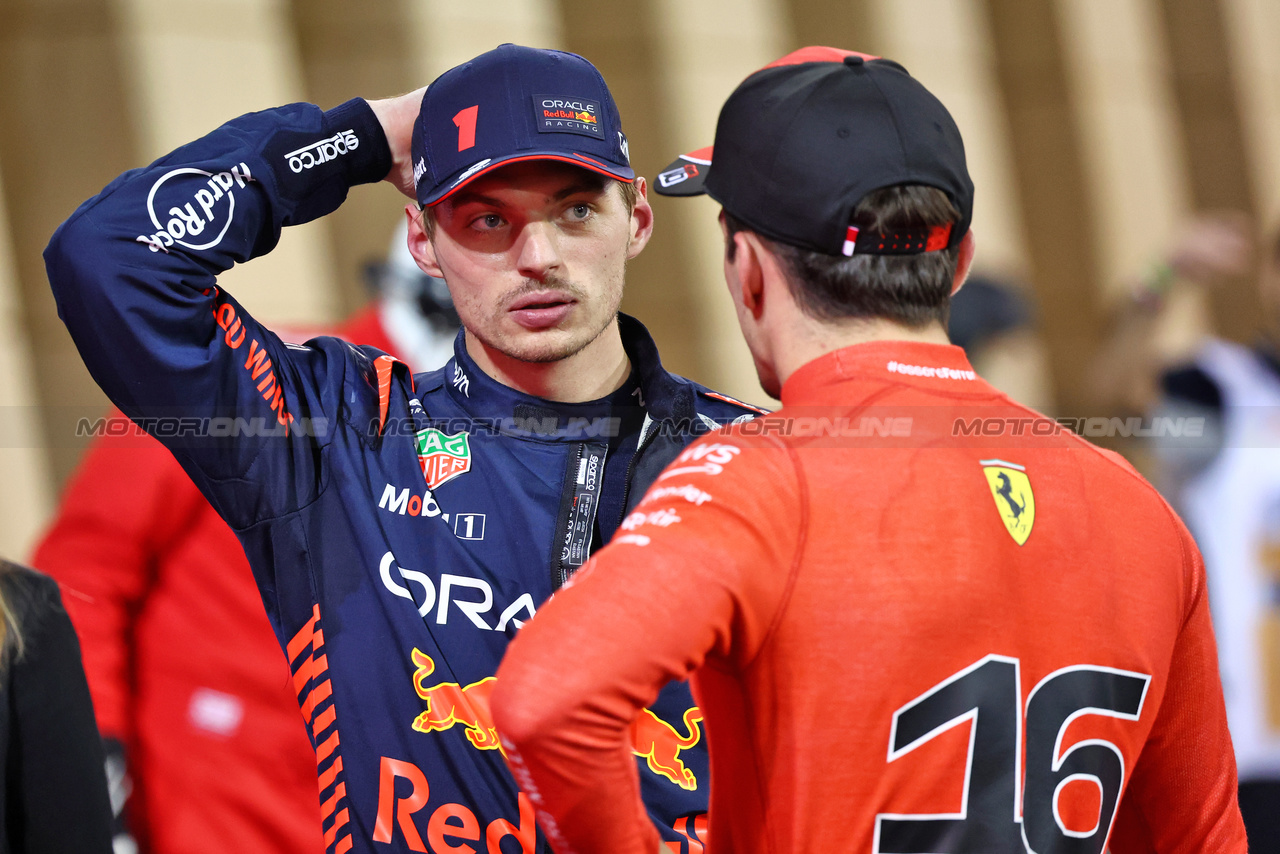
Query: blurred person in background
{"points": [[206, 751], [1225, 482], [1163, 319], [993, 319], [53, 792]]}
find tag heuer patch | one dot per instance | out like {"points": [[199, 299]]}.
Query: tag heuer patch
{"points": [[1011, 490], [556, 114], [442, 457]]}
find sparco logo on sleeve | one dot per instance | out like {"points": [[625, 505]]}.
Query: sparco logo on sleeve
{"points": [[322, 151], [192, 208]]}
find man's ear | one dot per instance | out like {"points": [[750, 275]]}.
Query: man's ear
{"points": [[965, 260], [641, 220], [749, 260], [420, 245]]}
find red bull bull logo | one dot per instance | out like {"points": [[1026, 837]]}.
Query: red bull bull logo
{"points": [[450, 704], [658, 742]]}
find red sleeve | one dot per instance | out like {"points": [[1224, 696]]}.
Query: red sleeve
{"points": [[1182, 795], [696, 574], [123, 507]]}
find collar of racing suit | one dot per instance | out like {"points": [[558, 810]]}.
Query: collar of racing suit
{"points": [[873, 364], [665, 397]]}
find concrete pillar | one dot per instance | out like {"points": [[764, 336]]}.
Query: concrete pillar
{"points": [[350, 50], [65, 134], [1052, 191], [1117, 73], [194, 64], [704, 50], [26, 498], [845, 24], [1252, 44], [446, 33], [1220, 169]]}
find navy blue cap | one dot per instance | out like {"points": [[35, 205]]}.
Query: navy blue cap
{"points": [[515, 103]]}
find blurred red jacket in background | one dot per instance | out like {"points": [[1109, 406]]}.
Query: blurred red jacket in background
{"points": [[183, 667]]}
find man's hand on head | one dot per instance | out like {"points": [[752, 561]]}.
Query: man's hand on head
{"points": [[397, 116]]}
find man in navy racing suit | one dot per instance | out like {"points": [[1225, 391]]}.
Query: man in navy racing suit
{"points": [[402, 527]]}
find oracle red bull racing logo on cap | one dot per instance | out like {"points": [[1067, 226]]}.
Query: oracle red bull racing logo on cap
{"points": [[557, 114], [442, 457]]}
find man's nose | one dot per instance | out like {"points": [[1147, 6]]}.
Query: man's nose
{"points": [[539, 251]]}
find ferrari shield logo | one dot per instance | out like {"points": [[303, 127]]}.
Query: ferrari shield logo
{"points": [[442, 457], [1011, 490]]}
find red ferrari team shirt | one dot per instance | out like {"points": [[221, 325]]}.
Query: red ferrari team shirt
{"points": [[918, 618]]}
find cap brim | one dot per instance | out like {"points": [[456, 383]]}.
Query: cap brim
{"points": [[592, 164], [685, 175]]}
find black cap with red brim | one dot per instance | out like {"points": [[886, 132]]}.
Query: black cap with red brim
{"points": [[685, 175], [801, 141]]}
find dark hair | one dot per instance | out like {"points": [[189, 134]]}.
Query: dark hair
{"points": [[913, 290]]}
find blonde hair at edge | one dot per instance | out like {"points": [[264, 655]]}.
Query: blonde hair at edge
{"points": [[10, 632]]}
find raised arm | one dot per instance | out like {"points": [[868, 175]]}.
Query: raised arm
{"points": [[134, 272]]}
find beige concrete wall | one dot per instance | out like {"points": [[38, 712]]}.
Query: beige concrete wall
{"points": [[946, 45], [1117, 72], [26, 487], [192, 65], [65, 134], [450, 33], [350, 50], [705, 51], [1253, 32]]}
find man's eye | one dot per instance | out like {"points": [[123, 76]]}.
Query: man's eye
{"points": [[488, 221], [581, 211]]}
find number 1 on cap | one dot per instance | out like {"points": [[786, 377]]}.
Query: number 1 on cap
{"points": [[466, 123]]}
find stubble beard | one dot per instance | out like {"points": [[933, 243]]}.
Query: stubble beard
{"points": [[551, 345]]}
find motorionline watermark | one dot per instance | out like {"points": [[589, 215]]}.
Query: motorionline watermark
{"points": [[882, 424], [1091, 427], [198, 427]]}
